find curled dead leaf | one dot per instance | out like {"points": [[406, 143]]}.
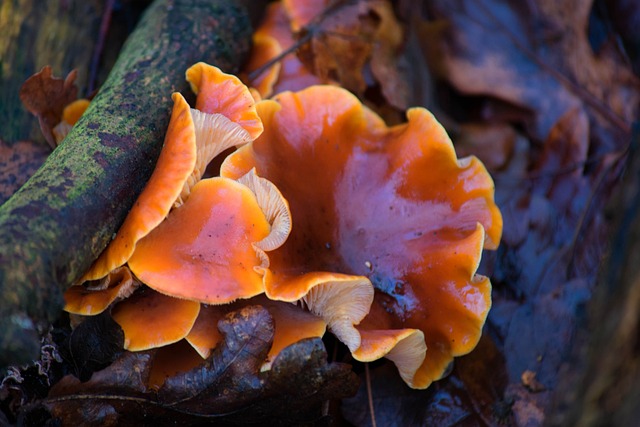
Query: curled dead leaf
{"points": [[227, 388], [45, 96]]}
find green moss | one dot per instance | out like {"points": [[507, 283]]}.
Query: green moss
{"points": [[63, 217]]}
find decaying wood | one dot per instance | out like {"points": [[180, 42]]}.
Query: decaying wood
{"points": [[59, 33], [63, 217]]}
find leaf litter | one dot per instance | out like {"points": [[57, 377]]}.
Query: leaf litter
{"points": [[228, 387], [522, 87]]}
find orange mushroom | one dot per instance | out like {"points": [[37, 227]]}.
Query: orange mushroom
{"points": [[301, 13], [212, 248], [205, 336], [91, 298], [150, 319], [393, 205], [176, 163], [70, 115], [291, 324], [193, 139], [221, 93], [264, 49], [171, 360]]}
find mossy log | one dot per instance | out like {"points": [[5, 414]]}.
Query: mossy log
{"points": [[64, 216]]}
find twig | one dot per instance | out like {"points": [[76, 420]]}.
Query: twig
{"points": [[306, 33], [97, 53], [370, 394]]}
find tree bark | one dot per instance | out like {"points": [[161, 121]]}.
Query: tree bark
{"points": [[60, 33], [64, 216], [603, 387]]}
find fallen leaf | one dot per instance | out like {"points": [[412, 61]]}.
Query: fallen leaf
{"points": [[354, 43], [443, 404], [543, 277], [46, 96], [535, 55], [20, 386], [227, 388], [93, 345], [491, 143]]}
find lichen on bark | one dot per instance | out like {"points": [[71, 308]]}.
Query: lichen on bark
{"points": [[63, 217]]}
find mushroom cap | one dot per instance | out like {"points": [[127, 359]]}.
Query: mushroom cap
{"points": [[341, 300], [72, 112], [150, 319], [171, 360], [205, 336], [175, 164], [70, 115], [264, 49], [393, 204], [292, 324], [404, 347], [225, 94], [204, 250], [193, 139], [89, 298]]}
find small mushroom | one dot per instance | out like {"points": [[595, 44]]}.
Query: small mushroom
{"points": [[341, 300], [93, 298], [193, 139], [292, 324], [171, 360], [210, 249], [390, 204], [263, 50], [301, 13], [221, 93], [176, 163], [70, 115], [406, 348], [150, 319], [205, 336]]}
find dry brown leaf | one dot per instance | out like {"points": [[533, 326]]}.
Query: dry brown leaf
{"points": [[227, 388], [534, 55], [354, 43], [46, 96], [491, 143]]}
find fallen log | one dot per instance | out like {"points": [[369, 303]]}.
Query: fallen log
{"points": [[63, 217]]}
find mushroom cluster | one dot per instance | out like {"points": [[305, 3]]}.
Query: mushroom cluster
{"points": [[324, 215]]}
